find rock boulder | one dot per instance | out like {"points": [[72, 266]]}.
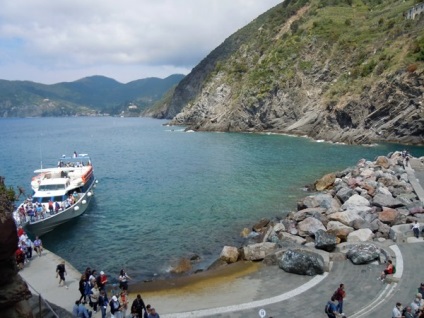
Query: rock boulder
{"points": [[363, 253], [302, 263]]}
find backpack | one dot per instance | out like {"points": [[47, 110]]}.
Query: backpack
{"points": [[394, 269], [327, 308]]}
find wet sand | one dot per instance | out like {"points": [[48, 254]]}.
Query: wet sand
{"points": [[193, 292], [194, 283]]}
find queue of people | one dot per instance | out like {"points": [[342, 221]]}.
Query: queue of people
{"points": [[34, 211], [26, 248], [94, 291]]}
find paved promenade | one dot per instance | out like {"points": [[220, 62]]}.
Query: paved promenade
{"points": [[280, 294]]}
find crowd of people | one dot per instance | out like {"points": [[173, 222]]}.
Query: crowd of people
{"points": [[413, 310], [35, 211], [101, 296]]}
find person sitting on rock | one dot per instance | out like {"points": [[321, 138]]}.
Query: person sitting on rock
{"points": [[416, 229], [387, 271]]}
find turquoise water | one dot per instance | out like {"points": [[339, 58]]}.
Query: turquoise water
{"points": [[164, 193]]}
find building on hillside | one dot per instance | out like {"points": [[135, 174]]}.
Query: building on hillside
{"points": [[414, 11], [132, 107]]}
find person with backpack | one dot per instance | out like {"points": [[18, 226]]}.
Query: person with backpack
{"points": [[390, 269], [339, 295], [115, 308], [331, 308]]}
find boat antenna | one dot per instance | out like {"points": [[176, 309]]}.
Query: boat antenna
{"points": [[41, 157]]}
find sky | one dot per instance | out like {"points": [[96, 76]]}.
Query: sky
{"points": [[51, 41]]}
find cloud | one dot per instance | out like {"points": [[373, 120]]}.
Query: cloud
{"points": [[115, 37]]}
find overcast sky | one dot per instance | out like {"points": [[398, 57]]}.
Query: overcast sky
{"points": [[50, 41]]}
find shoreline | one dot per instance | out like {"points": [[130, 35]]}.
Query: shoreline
{"points": [[162, 293]]}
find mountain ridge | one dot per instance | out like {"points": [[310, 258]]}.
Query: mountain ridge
{"points": [[86, 96]]}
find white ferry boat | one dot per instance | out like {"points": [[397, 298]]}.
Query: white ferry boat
{"points": [[61, 193]]}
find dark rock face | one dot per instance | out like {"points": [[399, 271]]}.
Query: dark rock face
{"points": [[325, 241], [363, 254], [302, 263], [14, 291]]}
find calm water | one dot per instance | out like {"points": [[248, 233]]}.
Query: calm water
{"points": [[163, 193]]}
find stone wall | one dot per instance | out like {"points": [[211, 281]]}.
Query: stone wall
{"points": [[414, 11]]}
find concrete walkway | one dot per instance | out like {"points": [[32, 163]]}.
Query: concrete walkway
{"points": [[270, 289]]}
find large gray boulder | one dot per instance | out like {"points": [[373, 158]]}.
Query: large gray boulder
{"points": [[257, 252], [344, 194], [303, 214], [383, 200], [309, 226], [325, 241], [363, 253], [322, 200], [361, 235], [354, 201], [302, 263]]}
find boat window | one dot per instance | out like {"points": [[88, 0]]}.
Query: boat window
{"points": [[51, 187], [47, 199]]}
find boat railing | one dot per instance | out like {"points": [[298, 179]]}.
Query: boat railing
{"points": [[46, 213]]}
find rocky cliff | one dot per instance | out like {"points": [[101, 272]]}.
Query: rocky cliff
{"points": [[339, 70], [14, 293]]}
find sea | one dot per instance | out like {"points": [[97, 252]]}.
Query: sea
{"points": [[164, 194]]}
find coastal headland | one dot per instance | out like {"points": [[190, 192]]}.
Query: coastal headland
{"points": [[240, 289]]}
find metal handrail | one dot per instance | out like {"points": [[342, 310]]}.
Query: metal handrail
{"points": [[40, 300]]}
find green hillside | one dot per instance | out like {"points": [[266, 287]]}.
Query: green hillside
{"points": [[343, 70], [87, 96]]}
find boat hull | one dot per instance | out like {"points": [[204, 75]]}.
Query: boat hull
{"points": [[46, 225]]}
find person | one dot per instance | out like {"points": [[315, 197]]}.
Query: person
{"points": [[153, 313], [416, 229], [138, 306], [29, 245], [20, 258], [20, 231], [123, 280], [38, 246], [331, 308], [81, 288], [83, 311], [415, 306], [147, 312], [123, 303], [51, 207], [94, 296], [397, 311], [75, 308], [56, 207], [421, 290], [387, 271], [339, 294], [75, 154], [408, 312], [103, 302], [102, 281], [61, 272], [115, 308], [93, 278]]}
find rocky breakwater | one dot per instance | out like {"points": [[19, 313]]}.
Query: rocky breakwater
{"points": [[352, 215]]}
